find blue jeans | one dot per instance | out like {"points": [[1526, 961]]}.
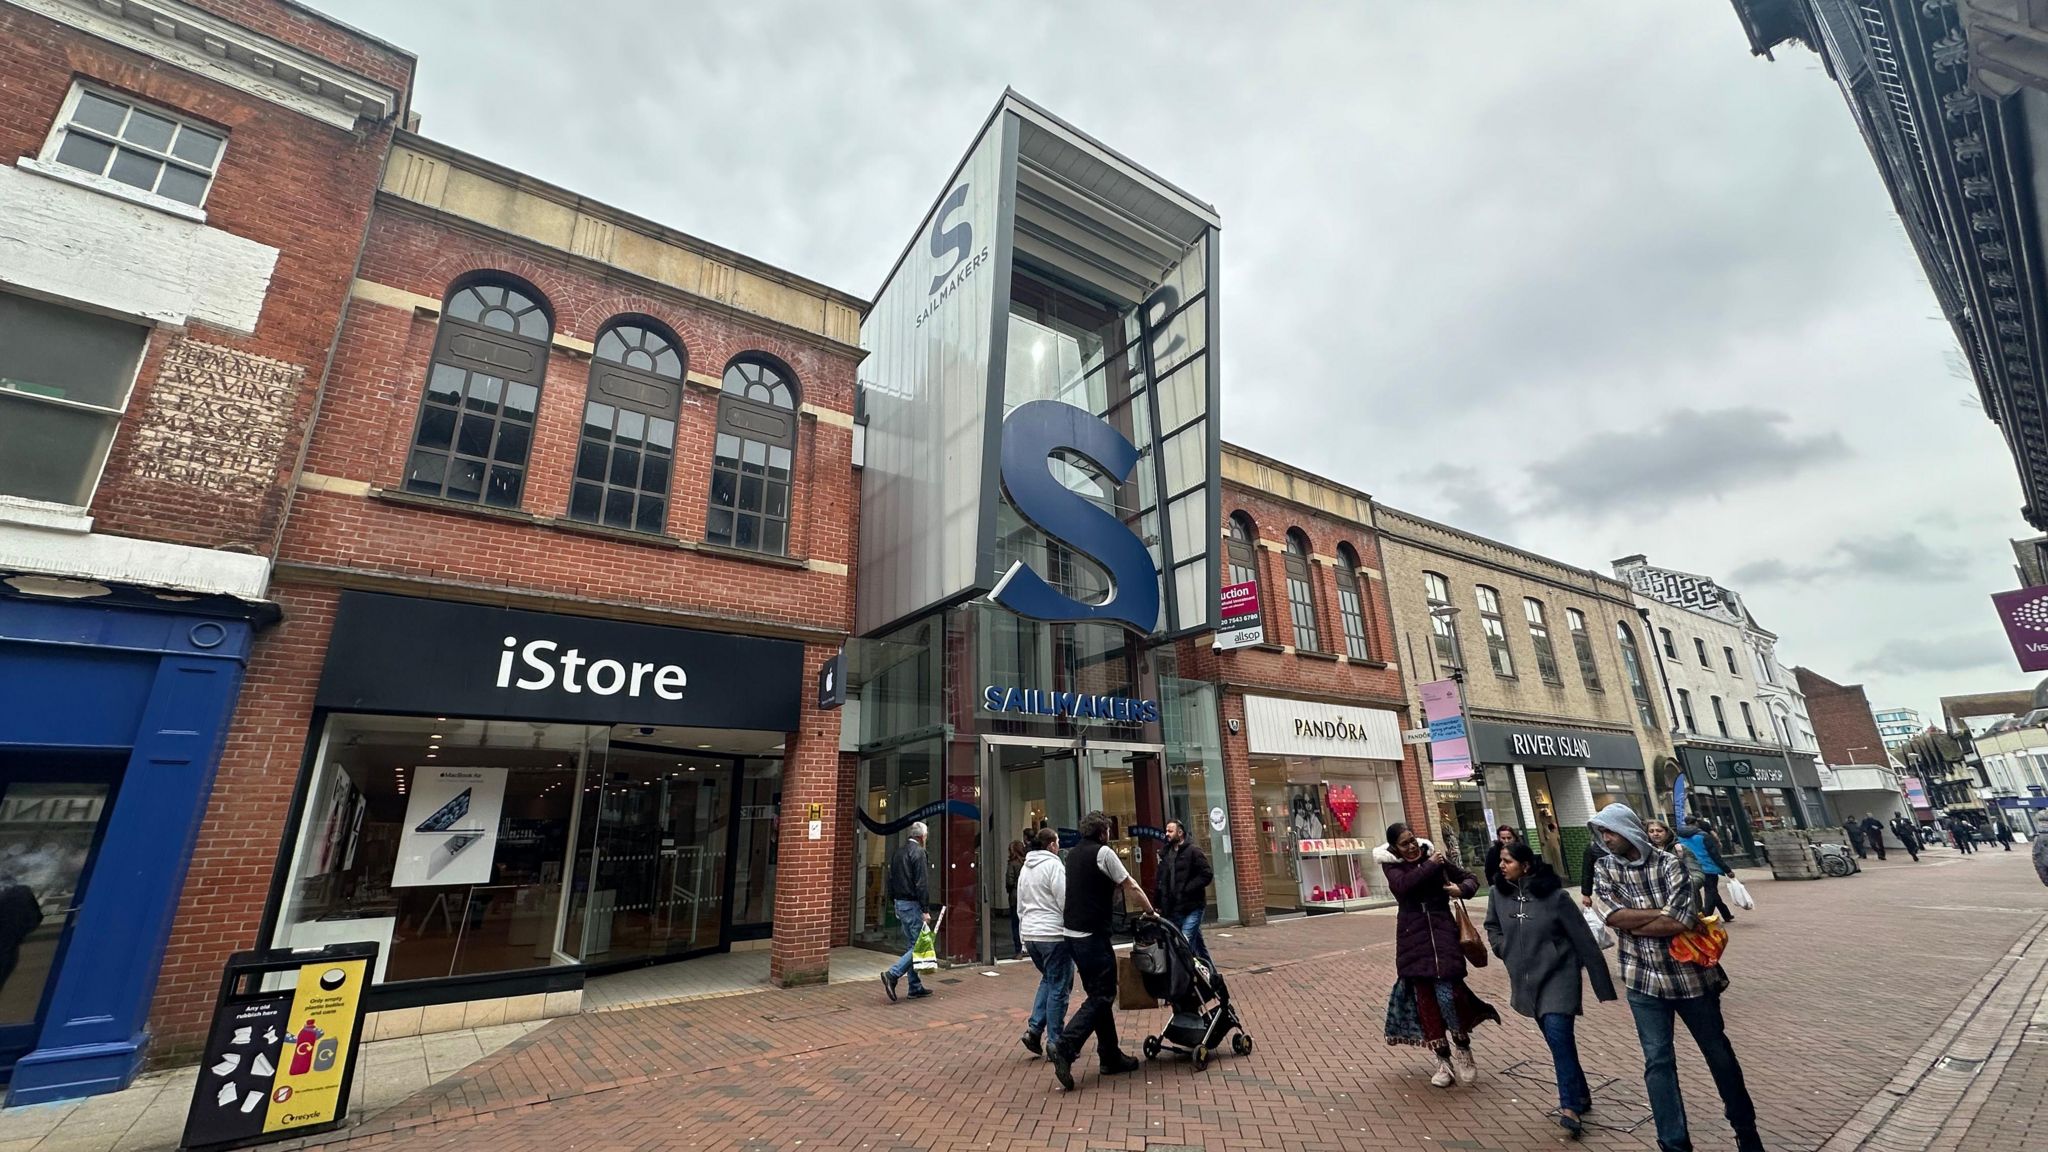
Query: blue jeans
{"points": [[1191, 927], [1055, 964], [1560, 1032], [1702, 1016], [910, 914]]}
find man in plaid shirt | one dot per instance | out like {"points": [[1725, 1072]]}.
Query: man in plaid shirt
{"points": [[1647, 900]]}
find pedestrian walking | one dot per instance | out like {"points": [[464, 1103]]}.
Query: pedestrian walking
{"points": [[1706, 849], [2004, 835], [1854, 832], [1502, 837], [1018, 852], [1665, 838], [1908, 835], [910, 885], [1041, 916], [1873, 832], [2041, 857], [1094, 874], [1643, 892], [1587, 859], [1181, 888], [1430, 1004], [1959, 830], [1543, 940]]}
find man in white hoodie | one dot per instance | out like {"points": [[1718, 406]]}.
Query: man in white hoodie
{"points": [[1041, 917]]}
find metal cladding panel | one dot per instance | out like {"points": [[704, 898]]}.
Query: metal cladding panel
{"points": [[933, 339]]}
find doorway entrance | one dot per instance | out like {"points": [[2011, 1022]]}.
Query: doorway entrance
{"points": [[53, 812], [1549, 838], [1036, 785]]}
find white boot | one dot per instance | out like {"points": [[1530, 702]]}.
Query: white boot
{"points": [[1444, 1077], [1466, 1069]]}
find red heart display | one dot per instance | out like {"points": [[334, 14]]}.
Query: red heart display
{"points": [[1343, 805]]}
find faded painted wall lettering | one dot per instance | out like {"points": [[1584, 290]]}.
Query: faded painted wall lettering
{"points": [[218, 420]]}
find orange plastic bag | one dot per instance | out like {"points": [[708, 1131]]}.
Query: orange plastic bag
{"points": [[1703, 945]]}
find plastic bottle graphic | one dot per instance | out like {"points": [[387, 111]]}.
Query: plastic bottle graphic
{"points": [[302, 1050]]}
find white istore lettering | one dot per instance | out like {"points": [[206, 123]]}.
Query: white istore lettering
{"points": [[604, 678]]}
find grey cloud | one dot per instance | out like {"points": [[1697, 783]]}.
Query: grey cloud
{"points": [[1685, 454], [1966, 652], [1902, 557], [1459, 495]]}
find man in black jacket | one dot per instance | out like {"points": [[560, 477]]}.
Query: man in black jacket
{"points": [[1873, 831], [1181, 890], [1094, 874], [1908, 835], [910, 890]]}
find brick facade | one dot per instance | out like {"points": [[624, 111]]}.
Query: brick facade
{"points": [[1842, 720]]}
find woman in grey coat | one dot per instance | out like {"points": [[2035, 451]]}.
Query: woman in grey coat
{"points": [[1539, 933]]}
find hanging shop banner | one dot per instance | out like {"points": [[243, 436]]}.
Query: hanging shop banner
{"points": [[278, 1062], [2024, 613], [1916, 793], [1450, 750], [450, 832], [1241, 626]]}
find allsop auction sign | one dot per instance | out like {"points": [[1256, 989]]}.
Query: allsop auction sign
{"points": [[279, 1060]]}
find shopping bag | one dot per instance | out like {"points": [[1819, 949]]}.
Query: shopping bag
{"points": [[1739, 895], [1702, 945], [1602, 934], [1130, 986], [1470, 942], [924, 955]]}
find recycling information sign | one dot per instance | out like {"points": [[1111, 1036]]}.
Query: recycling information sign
{"points": [[282, 1051]]}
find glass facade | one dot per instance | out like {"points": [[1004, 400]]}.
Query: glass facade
{"points": [[469, 847]]}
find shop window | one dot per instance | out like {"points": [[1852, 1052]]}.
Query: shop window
{"points": [[1700, 646], [1443, 624], [1350, 605], [135, 146], [1496, 631], [1618, 786], [1632, 665], [65, 377], [1720, 716], [1241, 546], [1582, 647], [1539, 635], [627, 455], [750, 466], [1670, 649], [1748, 720], [1301, 596], [1728, 654], [1685, 711], [476, 419]]}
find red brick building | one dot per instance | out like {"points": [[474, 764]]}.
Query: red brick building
{"points": [[1314, 763], [1842, 720], [185, 190]]}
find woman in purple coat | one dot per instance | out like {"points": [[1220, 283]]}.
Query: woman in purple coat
{"points": [[1431, 1004]]}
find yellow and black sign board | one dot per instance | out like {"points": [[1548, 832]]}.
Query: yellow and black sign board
{"points": [[282, 1051], [815, 812]]}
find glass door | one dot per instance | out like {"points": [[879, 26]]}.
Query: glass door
{"points": [[53, 811], [661, 826]]}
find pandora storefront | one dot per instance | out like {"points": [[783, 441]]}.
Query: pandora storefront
{"points": [[1325, 783], [501, 799]]}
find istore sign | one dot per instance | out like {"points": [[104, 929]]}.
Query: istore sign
{"points": [[406, 655]]}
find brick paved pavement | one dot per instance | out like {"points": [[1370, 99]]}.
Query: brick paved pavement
{"points": [[1836, 984]]}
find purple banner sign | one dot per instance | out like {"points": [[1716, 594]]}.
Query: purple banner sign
{"points": [[1916, 795], [1450, 750], [2025, 616]]}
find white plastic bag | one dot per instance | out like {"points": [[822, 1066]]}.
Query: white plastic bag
{"points": [[1739, 896], [1602, 934]]}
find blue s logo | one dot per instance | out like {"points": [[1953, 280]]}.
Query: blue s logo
{"points": [[957, 240], [1031, 435]]}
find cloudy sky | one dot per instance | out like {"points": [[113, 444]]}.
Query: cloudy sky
{"points": [[1591, 278]]}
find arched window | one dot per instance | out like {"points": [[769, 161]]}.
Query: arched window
{"points": [[629, 428], [476, 419], [1301, 595], [1632, 664], [750, 468], [1241, 549], [1350, 605]]}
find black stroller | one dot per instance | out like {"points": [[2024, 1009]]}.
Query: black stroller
{"points": [[1202, 1015]]}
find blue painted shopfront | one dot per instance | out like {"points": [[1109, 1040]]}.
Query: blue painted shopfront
{"points": [[111, 718]]}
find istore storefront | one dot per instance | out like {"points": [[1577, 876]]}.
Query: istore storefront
{"points": [[1325, 783], [503, 800]]}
